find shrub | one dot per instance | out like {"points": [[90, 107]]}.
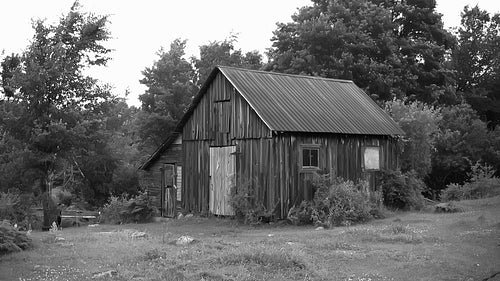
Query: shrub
{"points": [[341, 203], [12, 240], [247, 208], [401, 191], [65, 198], [482, 184], [111, 212], [137, 209], [337, 202], [302, 214], [454, 192], [8, 201], [16, 207]]}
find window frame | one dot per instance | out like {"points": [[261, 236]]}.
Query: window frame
{"points": [[363, 155], [303, 147]]}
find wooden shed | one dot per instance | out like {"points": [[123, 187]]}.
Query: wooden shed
{"points": [[272, 131], [161, 175]]}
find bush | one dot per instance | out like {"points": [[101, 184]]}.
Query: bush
{"points": [[16, 207], [402, 191], [454, 192], [337, 202], [111, 212], [482, 184], [302, 214], [138, 209], [12, 240], [340, 202], [65, 198], [246, 208]]}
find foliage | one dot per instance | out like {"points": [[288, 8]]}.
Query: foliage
{"points": [[125, 180], [477, 62], [52, 109], [401, 190], [420, 124], [111, 212], [170, 87], [454, 192], [302, 214], [12, 240], [246, 208], [338, 202], [462, 139], [481, 184], [65, 198], [390, 48], [16, 208], [137, 209], [223, 53]]}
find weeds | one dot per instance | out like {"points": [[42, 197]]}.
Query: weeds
{"points": [[482, 184], [272, 258], [391, 234]]}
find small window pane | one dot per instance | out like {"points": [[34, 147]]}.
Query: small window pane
{"points": [[314, 158], [310, 157], [306, 157]]}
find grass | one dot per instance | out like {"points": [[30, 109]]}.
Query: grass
{"points": [[407, 246]]}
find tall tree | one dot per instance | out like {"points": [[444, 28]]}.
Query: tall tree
{"points": [[224, 53], [171, 86], [55, 110], [477, 62], [390, 48]]}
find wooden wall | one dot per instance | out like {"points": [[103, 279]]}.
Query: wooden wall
{"points": [[150, 179], [268, 161], [273, 166], [221, 118]]}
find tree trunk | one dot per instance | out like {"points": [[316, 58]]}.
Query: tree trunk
{"points": [[49, 207]]}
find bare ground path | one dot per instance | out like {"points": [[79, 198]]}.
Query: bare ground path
{"points": [[406, 246]]}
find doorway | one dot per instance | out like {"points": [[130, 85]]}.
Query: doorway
{"points": [[222, 179]]}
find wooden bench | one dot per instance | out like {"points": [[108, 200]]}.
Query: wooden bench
{"points": [[77, 215]]}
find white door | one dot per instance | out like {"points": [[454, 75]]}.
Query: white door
{"points": [[222, 179]]}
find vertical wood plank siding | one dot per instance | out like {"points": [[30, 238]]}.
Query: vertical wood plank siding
{"points": [[267, 160], [221, 118], [149, 179]]}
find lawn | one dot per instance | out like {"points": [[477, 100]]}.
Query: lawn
{"points": [[405, 246]]}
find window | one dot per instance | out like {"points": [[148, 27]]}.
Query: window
{"points": [[371, 158], [310, 157]]}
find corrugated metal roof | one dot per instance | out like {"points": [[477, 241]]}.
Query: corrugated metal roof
{"points": [[296, 103]]}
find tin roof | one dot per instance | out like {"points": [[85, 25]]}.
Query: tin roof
{"points": [[296, 103]]}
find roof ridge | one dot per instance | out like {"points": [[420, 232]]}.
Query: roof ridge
{"points": [[286, 74]]}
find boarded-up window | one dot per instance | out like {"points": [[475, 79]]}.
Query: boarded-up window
{"points": [[310, 157], [371, 158]]}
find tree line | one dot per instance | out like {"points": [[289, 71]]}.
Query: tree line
{"points": [[62, 128]]}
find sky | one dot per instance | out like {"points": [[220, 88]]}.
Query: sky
{"points": [[140, 28]]}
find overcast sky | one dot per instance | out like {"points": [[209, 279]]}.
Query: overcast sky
{"points": [[140, 28]]}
